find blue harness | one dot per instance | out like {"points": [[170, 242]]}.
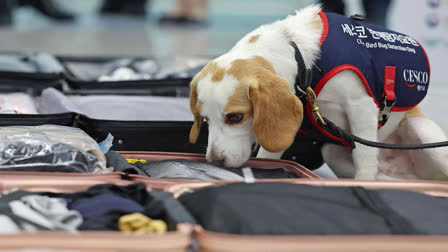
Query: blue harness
{"points": [[393, 67]]}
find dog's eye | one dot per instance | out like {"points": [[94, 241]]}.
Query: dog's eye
{"points": [[234, 118]]}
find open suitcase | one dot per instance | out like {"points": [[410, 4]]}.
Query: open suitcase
{"points": [[158, 77], [35, 71], [181, 239], [177, 240], [216, 241]]}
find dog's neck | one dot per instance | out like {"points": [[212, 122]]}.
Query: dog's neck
{"points": [[272, 42]]}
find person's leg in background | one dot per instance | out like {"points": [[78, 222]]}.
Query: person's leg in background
{"points": [[6, 8], [178, 14], [376, 11], [124, 7], [198, 10], [187, 12], [336, 6], [48, 8]]}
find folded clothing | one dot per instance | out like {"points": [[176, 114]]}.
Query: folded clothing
{"points": [[103, 203], [120, 164], [114, 201], [123, 69], [30, 63], [190, 169], [187, 169], [24, 211], [140, 223], [46, 157], [102, 207], [134, 108], [47, 143], [291, 209]]}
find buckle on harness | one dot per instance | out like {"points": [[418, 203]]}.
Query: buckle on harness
{"points": [[311, 97], [389, 96], [385, 109]]}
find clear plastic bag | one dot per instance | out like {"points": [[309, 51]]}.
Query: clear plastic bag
{"points": [[49, 148]]}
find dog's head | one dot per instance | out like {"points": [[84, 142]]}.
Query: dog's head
{"points": [[244, 103]]}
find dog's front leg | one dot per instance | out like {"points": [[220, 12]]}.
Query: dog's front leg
{"points": [[362, 114], [262, 153]]}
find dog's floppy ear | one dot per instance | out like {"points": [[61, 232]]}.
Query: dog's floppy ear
{"points": [[278, 113], [195, 106]]}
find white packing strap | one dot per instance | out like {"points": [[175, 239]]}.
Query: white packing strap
{"points": [[248, 175]]}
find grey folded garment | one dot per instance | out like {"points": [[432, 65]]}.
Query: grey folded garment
{"points": [[188, 169], [50, 213], [52, 101], [133, 108], [30, 63], [24, 211], [46, 63]]}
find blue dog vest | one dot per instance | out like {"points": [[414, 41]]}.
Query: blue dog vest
{"points": [[392, 66]]}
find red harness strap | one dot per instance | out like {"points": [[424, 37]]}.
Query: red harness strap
{"points": [[388, 95], [389, 82]]}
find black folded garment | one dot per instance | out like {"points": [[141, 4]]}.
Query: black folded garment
{"points": [[120, 164], [155, 204], [274, 173], [283, 208]]}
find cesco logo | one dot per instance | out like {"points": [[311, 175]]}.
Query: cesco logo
{"points": [[414, 76]]}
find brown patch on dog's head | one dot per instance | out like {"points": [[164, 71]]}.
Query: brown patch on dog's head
{"points": [[246, 69], [254, 38], [212, 68], [218, 73]]}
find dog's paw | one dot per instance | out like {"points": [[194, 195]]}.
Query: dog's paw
{"points": [[365, 176]]}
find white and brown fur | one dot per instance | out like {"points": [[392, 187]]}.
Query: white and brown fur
{"points": [[256, 78]]}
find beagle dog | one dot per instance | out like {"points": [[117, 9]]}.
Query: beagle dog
{"points": [[249, 95]]}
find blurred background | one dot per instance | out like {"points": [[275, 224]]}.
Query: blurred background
{"points": [[192, 27]]}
